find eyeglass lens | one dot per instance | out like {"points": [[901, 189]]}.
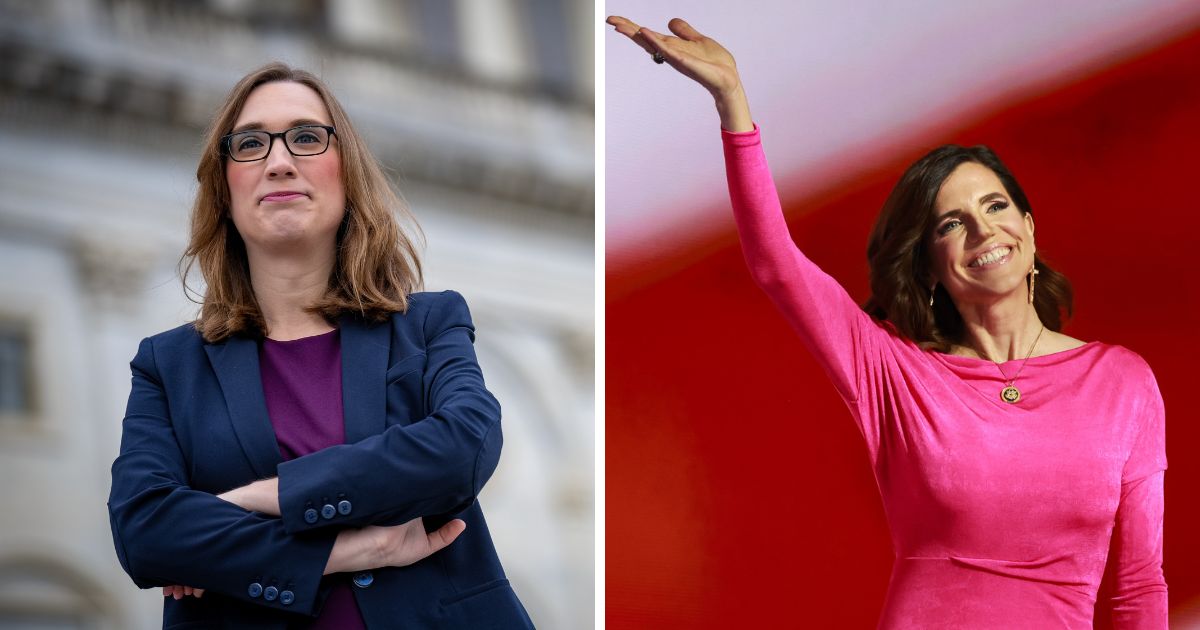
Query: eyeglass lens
{"points": [[255, 145]]}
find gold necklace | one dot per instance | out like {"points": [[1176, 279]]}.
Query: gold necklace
{"points": [[1010, 394]]}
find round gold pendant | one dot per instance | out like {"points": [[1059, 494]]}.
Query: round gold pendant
{"points": [[1010, 394]]}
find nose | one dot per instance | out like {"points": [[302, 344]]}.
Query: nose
{"points": [[279, 160], [984, 229]]}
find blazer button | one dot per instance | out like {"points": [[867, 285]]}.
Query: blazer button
{"points": [[286, 598], [344, 508], [364, 579], [270, 593], [255, 589], [327, 511], [310, 516]]}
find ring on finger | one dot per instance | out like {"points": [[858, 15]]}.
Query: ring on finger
{"points": [[659, 58]]}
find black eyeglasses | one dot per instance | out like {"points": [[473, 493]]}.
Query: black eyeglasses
{"points": [[250, 146]]}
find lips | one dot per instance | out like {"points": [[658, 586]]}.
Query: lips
{"points": [[283, 195], [996, 255]]}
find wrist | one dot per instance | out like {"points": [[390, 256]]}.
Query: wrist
{"points": [[353, 550], [729, 95], [734, 109]]}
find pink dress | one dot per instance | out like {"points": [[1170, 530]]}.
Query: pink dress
{"points": [[1001, 515]]}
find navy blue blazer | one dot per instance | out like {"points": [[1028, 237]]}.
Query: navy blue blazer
{"points": [[422, 437]]}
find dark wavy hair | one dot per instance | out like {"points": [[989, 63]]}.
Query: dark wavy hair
{"points": [[898, 254]]}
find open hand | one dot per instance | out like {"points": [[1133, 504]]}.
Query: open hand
{"points": [[698, 57]]}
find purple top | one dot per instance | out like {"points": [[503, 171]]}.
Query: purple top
{"points": [[302, 381]]}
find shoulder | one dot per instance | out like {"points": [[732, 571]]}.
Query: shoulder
{"points": [[179, 339], [1123, 368], [169, 349], [433, 312], [425, 301], [1118, 357]]}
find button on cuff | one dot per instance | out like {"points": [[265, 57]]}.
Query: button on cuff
{"points": [[270, 593], [310, 516], [255, 589]]}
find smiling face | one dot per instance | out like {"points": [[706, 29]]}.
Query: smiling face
{"points": [[284, 202], [981, 246]]}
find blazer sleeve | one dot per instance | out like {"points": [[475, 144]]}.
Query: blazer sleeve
{"points": [[167, 533], [436, 465]]}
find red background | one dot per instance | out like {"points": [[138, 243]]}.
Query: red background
{"points": [[738, 492]]}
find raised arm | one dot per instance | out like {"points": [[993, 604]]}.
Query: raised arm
{"points": [[831, 325]]}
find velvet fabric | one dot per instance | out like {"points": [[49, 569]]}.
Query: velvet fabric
{"points": [[1001, 515]]}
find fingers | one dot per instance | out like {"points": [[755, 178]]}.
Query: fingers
{"points": [[661, 44], [624, 26], [629, 29], [179, 592], [684, 30], [445, 535]]}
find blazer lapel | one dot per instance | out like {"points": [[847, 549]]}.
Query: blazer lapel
{"points": [[236, 363], [365, 350]]}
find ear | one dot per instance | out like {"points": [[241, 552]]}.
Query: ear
{"points": [[927, 279]]}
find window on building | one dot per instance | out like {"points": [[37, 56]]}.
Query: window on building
{"points": [[16, 369]]}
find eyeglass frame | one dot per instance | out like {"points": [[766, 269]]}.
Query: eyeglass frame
{"points": [[227, 140]]}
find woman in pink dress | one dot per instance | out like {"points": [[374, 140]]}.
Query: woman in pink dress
{"points": [[1015, 463]]}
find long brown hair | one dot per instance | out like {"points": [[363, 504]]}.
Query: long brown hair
{"points": [[898, 254], [377, 263]]}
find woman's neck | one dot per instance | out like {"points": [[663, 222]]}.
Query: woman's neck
{"points": [[1000, 331], [285, 286]]}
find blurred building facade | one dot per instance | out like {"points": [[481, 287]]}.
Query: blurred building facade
{"points": [[483, 112]]}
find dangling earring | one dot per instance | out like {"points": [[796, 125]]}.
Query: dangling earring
{"points": [[931, 290], [1032, 280]]}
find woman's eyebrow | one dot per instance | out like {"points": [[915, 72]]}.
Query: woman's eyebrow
{"points": [[257, 126], [982, 200], [990, 196]]}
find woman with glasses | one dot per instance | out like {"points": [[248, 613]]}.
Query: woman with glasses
{"points": [[308, 452], [1016, 464]]}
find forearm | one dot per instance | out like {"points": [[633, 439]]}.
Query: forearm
{"points": [[181, 536], [1139, 597], [828, 321], [770, 253], [434, 466], [262, 496]]}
